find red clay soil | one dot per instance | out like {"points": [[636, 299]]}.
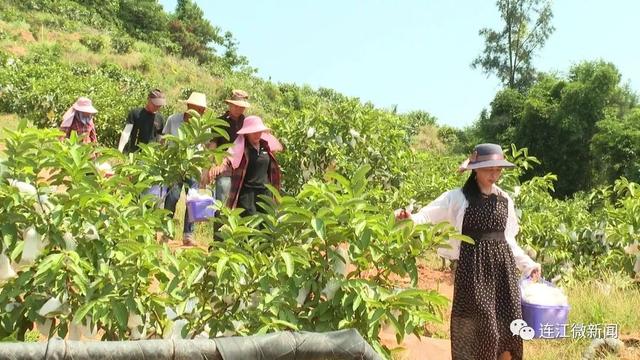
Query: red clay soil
{"points": [[423, 348], [414, 348]]}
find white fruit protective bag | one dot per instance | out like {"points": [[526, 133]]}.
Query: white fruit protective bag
{"points": [[52, 305], [542, 293], [33, 246], [6, 271], [124, 137]]}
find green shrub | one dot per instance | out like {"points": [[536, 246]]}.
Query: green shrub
{"points": [[93, 43], [113, 90], [121, 44], [145, 64], [275, 271]]}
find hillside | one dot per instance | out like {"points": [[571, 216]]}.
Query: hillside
{"points": [[74, 48]]}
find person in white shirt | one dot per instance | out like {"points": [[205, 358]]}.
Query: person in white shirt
{"points": [[486, 295], [197, 102]]}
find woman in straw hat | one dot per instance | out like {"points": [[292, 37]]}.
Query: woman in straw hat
{"points": [[79, 118], [252, 165], [486, 294]]}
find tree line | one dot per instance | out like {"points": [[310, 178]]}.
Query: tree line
{"points": [[584, 127]]}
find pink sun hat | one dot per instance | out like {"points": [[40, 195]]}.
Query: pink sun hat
{"points": [[83, 104], [252, 124]]}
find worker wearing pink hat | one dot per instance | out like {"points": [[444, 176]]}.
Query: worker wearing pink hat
{"points": [[79, 118], [253, 165]]}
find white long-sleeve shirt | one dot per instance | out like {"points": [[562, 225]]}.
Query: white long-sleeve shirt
{"points": [[451, 207]]}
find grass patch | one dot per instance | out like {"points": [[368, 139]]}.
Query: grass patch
{"points": [[614, 299], [10, 122]]}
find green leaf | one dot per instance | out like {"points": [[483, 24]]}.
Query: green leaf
{"points": [[359, 179], [48, 263], [376, 315], [76, 156], [344, 182], [221, 265], [83, 310], [121, 313], [319, 227], [285, 323], [194, 274], [288, 260], [365, 239], [397, 326], [17, 250], [171, 226], [356, 302]]}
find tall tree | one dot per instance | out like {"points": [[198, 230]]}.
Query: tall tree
{"points": [[144, 19], [561, 116], [193, 32], [615, 148], [508, 52]]}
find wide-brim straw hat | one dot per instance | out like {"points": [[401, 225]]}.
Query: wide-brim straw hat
{"points": [[486, 156], [252, 124], [84, 104], [196, 99], [239, 98]]}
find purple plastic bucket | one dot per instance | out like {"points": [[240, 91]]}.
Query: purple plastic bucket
{"points": [[200, 209], [159, 192], [548, 322]]}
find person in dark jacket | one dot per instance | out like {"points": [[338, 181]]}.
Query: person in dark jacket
{"points": [[144, 124], [234, 117], [253, 166]]}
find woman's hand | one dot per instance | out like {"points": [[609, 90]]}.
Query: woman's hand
{"points": [[536, 273], [214, 171], [205, 180], [402, 214]]}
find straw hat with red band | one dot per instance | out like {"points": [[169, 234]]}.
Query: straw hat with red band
{"points": [[239, 98], [485, 156]]}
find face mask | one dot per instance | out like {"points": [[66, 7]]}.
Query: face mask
{"points": [[85, 118]]}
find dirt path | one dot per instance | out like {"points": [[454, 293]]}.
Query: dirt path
{"points": [[425, 348], [414, 348]]}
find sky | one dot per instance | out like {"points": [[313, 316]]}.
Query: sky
{"points": [[415, 54]]}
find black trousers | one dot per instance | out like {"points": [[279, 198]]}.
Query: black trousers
{"points": [[248, 200]]}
